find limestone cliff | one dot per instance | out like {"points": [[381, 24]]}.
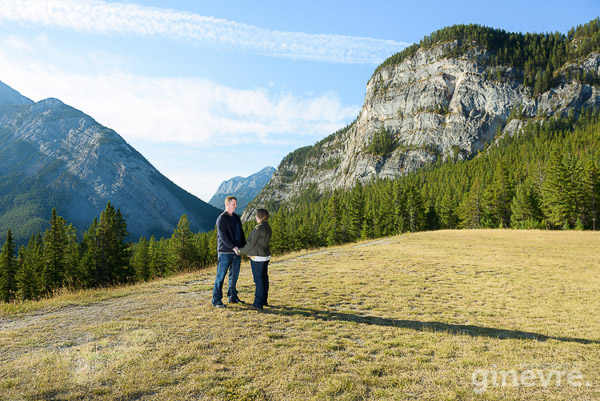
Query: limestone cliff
{"points": [[433, 106]]}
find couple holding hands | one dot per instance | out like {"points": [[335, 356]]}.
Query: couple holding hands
{"points": [[231, 243]]}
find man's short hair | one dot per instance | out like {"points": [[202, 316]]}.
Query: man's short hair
{"points": [[230, 198]]}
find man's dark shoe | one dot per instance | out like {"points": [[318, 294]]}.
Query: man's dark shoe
{"points": [[218, 305], [236, 301]]}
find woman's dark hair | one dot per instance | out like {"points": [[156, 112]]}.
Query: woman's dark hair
{"points": [[262, 214]]}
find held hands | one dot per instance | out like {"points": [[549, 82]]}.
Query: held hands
{"points": [[236, 250]]}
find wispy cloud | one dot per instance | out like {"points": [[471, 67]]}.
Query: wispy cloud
{"points": [[130, 19], [191, 111]]}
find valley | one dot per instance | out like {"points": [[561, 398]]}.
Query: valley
{"points": [[428, 315]]}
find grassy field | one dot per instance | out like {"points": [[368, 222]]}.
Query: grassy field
{"points": [[445, 315]]}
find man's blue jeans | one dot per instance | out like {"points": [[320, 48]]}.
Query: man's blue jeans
{"points": [[231, 262]]}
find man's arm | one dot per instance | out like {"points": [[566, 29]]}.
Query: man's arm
{"points": [[242, 236]]}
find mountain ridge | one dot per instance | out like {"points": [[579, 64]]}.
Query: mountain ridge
{"points": [[244, 189], [54, 155], [447, 100], [10, 96]]}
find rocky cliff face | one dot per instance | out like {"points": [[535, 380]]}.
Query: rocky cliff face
{"points": [[244, 189], [434, 107], [55, 156]]}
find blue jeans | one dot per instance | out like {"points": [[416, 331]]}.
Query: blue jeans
{"points": [[226, 262], [260, 272]]}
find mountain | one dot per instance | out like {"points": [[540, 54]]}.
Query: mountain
{"points": [[52, 155], [446, 98], [10, 96], [244, 189]]}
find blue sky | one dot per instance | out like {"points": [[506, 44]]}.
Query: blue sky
{"points": [[211, 90]]}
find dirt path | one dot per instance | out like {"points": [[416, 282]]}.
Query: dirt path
{"points": [[79, 324]]}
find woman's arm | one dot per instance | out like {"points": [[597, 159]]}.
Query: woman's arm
{"points": [[253, 238]]}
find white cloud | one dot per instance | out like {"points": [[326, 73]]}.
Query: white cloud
{"points": [[192, 111], [101, 17], [16, 43]]}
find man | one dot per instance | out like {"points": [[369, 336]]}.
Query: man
{"points": [[230, 237]]}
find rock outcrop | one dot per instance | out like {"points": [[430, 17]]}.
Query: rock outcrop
{"points": [[433, 106]]}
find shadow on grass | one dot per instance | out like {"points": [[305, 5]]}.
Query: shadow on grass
{"points": [[461, 329]]}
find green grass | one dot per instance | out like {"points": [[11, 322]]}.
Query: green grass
{"points": [[434, 315]]}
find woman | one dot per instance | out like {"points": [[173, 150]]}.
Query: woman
{"points": [[257, 247]]}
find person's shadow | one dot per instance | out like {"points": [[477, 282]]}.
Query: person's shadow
{"points": [[461, 329]]}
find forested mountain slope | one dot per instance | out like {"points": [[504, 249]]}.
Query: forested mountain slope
{"points": [[446, 99], [52, 155]]}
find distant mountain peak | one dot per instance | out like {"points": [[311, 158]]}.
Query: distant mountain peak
{"points": [[10, 96], [53, 155], [244, 189]]}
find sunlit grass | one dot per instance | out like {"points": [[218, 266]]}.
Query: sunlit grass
{"points": [[417, 316]]}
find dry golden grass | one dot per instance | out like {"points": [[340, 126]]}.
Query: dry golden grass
{"points": [[445, 315]]}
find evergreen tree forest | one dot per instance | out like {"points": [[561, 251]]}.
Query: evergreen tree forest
{"points": [[545, 176], [104, 257]]}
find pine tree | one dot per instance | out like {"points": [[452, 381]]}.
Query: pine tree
{"points": [[279, 239], [122, 250], [141, 260], [385, 212], [416, 210], [88, 264], [112, 250], [498, 197], [73, 274], [357, 211], [212, 247], [55, 244], [525, 207], [448, 216], [367, 229], [432, 218], [562, 190], [592, 195], [182, 249], [28, 279], [203, 243], [547, 79], [20, 272], [8, 269], [334, 220], [470, 208], [158, 262], [400, 212]]}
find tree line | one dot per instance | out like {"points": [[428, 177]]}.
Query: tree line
{"points": [[539, 57], [104, 256], [545, 176]]}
